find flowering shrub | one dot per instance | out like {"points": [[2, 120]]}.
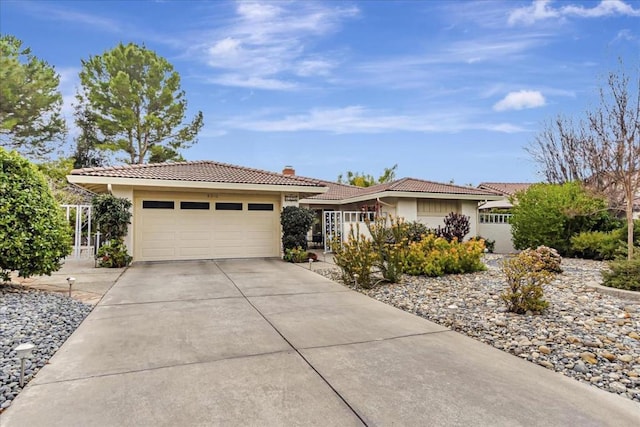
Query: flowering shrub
{"points": [[543, 258], [113, 254], [356, 258], [390, 244], [525, 278], [435, 256]]}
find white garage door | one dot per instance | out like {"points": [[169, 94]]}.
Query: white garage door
{"points": [[188, 226]]}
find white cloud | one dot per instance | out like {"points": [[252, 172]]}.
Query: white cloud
{"points": [[240, 80], [360, 120], [266, 41], [542, 10], [520, 100]]}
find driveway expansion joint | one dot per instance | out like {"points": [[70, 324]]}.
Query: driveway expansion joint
{"points": [[335, 391], [377, 340], [157, 368]]}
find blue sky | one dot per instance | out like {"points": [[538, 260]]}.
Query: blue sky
{"points": [[448, 90]]}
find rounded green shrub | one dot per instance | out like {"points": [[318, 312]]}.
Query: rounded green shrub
{"points": [[296, 223], [624, 274], [34, 234]]}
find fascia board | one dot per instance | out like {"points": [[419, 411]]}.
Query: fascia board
{"points": [[404, 194], [137, 182]]}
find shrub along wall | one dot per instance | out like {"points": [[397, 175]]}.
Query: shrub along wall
{"points": [[395, 249]]}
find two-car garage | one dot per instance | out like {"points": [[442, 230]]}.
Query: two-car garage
{"points": [[200, 209], [175, 226]]}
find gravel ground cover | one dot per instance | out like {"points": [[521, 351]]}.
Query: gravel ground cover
{"points": [[41, 318], [584, 334]]}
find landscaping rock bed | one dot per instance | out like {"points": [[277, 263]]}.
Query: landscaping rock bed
{"points": [[587, 335], [41, 318]]}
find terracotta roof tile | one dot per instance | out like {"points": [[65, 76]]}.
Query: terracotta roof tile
{"points": [[409, 185], [505, 188], [337, 191], [203, 171], [413, 185]]}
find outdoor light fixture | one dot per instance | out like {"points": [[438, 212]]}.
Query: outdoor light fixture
{"points": [[23, 351], [71, 281]]}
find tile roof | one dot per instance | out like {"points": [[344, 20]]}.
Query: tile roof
{"points": [[337, 191], [203, 171], [413, 185], [505, 188], [409, 185]]}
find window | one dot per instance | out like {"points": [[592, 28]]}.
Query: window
{"points": [[157, 204], [228, 206], [437, 207], [194, 206], [260, 206]]}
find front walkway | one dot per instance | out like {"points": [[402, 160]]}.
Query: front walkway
{"points": [[262, 342]]}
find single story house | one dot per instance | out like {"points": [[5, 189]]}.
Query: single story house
{"points": [[208, 210], [428, 202]]}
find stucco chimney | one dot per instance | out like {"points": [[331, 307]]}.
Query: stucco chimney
{"points": [[288, 170]]}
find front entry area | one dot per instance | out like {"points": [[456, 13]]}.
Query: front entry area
{"points": [[191, 226]]}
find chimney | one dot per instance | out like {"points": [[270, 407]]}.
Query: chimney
{"points": [[289, 171]]}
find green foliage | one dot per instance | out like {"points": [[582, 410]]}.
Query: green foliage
{"points": [[550, 214], [34, 235], [56, 172], [599, 245], [525, 281], [624, 274], [489, 244], [132, 98], [415, 231], [87, 153], [602, 245], [389, 238], [364, 180], [434, 256], [296, 254], [296, 223], [456, 226], [113, 254], [30, 102], [161, 154], [112, 214], [355, 258]]}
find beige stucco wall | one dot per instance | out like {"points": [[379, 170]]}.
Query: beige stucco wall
{"points": [[407, 209], [501, 233], [470, 209]]}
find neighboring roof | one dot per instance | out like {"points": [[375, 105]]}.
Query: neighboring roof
{"points": [[505, 188], [342, 192], [414, 185], [337, 191], [198, 171], [496, 204]]}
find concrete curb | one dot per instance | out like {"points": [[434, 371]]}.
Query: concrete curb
{"points": [[620, 293]]}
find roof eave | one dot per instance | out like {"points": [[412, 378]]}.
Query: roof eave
{"points": [[405, 194], [101, 184]]}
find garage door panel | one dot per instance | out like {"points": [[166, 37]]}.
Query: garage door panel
{"points": [[194, 253], [158, 236], [195, 236], [165, 234], [158, 253]]}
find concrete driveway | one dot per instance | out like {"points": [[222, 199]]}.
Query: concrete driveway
{"points": [[266, 343]]}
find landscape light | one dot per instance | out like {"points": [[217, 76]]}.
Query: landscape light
{"points": [[23, 351], [71, 281]]}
